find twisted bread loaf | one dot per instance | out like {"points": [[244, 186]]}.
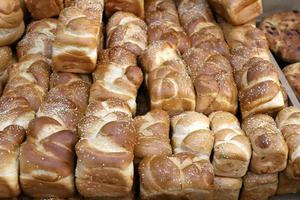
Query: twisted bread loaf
{"points": [[93, 9], [41, 9], [152, 134], [38, 39], [232, 150], [287, 185], [180, 176], [132, 6], [208, 65], [76, 44], [269, 148], [288, 121], [256, 77], [128, 31], [259, 186], [170, 88], [292, 74], [6, 61], [11, 22], [238, 12], [227, 188], [105, 151], [47, 156], [117, 76], [162, 19]]}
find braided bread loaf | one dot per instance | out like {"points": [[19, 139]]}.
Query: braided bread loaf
{"points": [[105, 151], [180, 176], [38, 39], [132, 6], [76, 44], [288, 121], [6, 61], [152, 134], [232, 150], [116, 76], [227, 188], [47, 156], [11, 22], [292, 74], [41, 9], [128, 31], [162, 19], [170, 88], [269, 148], [257, 78]]}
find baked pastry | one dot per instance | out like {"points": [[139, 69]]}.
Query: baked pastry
{"points": [[288, 121], [76, 43], [232, 150], [133, 6], [259, 186], [117, 76], [292, 74], [191, 133], [270, 151], [105, 151], [227, 188], [93, 9], [38, 39], [282, 32], [170, 87], [152, 134], [237, 12], [6, 61], [287, 185], [40, 9], [11, 22], [47, 155], [163, 24], [180, 176], [128, 31], [256, 76]]}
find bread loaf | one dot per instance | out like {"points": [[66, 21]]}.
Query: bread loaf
{"points": [[6, 61], [40, 9], [47, 155], [152, 134], [259, 186], [163, 24], [232, 149], [288, 121], [105, 151], [292, 74], [227, 188], [257, 78], [287, 185], [132, 6], [128, 31], [269, 148], [38, 39], [238, 12], [170, 88], [180, 176], [117, 76], [11, 22]]}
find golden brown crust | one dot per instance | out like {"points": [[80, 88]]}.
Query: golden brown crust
{"points": [[6, 61], [41, 9], [132, 6], [227, 188], [287, 185], [282, 32], [292, 74]]}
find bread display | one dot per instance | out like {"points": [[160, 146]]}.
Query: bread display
{"points": [[128, 31], [282, 32], [237, 12], [132, 6], [269, 148], [47, 155], [38, 39], [259, 186], [40, 9], [227, 188], [163, 24], [256, 76], [152, 134], [180, 176], [6, 61], [288, 121], [232, 150], [11, 22], [287, 185], [117, 76], [292, 74], [76, 44], [169, 86]]}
